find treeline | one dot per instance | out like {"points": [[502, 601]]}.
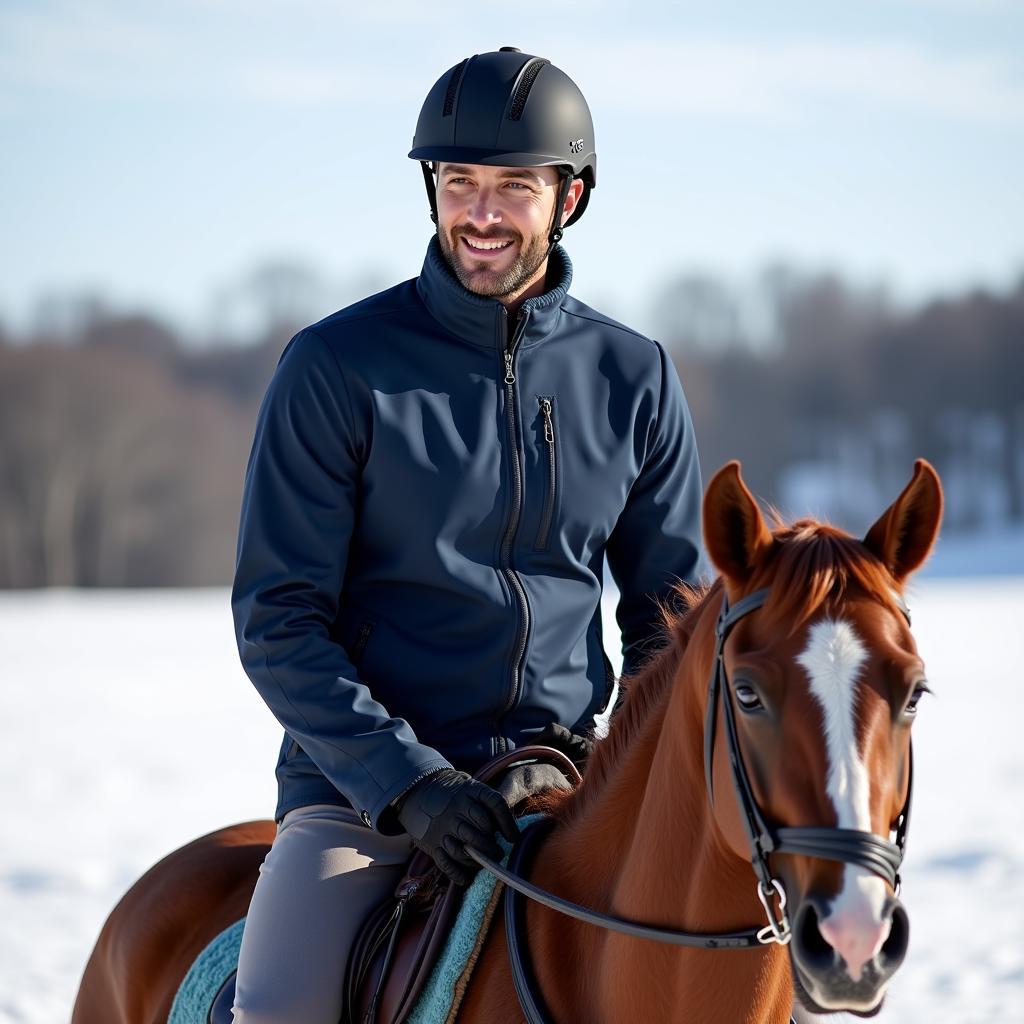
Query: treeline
{"points": [[122, 454], [828, 393], [123, 444]]}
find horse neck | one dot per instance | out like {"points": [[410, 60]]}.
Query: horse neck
{"points": [[646, 847]]}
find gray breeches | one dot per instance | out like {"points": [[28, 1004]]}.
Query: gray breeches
{"points": [[323, 875]]}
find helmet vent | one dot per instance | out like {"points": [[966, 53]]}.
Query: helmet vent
{"points": [[529, 76], [453, 88]]}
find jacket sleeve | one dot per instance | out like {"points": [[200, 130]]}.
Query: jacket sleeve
{"points": [[299, 508], [656, 540]]}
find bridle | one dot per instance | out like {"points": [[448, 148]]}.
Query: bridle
{"points": [[879, 855], [876, 854]]}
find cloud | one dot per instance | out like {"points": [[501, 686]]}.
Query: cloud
{"points": [[305, 84], [97, 50], [972, 7], [316, 52], [778, 82], [788, 81]]}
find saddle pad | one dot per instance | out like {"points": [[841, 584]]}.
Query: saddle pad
{"points": [[443, 991], [206, 975]]}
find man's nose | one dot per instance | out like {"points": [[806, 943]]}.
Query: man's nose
{"points": [[484, 208]]}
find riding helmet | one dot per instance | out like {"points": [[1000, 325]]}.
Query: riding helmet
{"points": [[513, 109]]}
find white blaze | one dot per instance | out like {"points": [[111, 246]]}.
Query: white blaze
{"points": [[833, 659]]}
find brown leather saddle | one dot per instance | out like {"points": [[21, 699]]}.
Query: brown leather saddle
{"points": [[401, 941]]}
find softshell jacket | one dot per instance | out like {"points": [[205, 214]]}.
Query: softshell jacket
{"points": [[429, 502]]}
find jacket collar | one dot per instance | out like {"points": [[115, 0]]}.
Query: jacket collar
{"points": [[482, 321]]}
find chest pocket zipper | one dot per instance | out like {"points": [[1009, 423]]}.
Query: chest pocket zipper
{"points": [[359, 645], [551, 492]]}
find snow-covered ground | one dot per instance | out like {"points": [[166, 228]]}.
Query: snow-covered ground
{"points": [[127, 728]]}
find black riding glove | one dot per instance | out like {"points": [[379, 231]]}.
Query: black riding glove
{"points": [[576, 747], [448, 811]]}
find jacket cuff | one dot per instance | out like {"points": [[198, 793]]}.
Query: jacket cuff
{"points": [[381, 814]]}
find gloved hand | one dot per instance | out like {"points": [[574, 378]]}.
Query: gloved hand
{"points": [[448, 811], [525, 780], [576, 747]]}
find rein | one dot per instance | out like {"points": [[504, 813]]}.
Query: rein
{"points": [[519, 860], [531, 1001], [874, 853]]}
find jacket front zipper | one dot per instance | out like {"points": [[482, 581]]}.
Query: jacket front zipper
{"points": [[513, 522], [549, 497]]}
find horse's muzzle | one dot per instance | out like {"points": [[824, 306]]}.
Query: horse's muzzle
{"points": [[827, 982]]}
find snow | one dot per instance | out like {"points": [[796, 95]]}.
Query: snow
{"points": [[128, 728]]}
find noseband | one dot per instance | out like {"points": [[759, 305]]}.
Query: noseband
{"points": [[874, 853]]}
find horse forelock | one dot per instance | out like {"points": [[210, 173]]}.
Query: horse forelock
{"points": [[813, 564]]}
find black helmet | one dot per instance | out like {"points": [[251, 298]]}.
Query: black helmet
{"points": [[509, 109]]}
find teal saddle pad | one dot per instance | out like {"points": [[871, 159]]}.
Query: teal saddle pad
{"points": [[205, 977]]}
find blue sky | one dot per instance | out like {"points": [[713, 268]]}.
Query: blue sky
{"points": [[157, 152]]}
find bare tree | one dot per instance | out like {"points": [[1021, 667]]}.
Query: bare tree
{"points": [[100, 465]]}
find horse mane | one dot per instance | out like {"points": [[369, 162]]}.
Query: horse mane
{"points": [[644, 690], [810, 564]]}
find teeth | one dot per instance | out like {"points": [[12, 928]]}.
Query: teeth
{"points": [[488, 245]]}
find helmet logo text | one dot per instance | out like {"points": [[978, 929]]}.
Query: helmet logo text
{"points": [[576, 147]]}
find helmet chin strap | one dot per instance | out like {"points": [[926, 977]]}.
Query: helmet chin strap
{"points": [[428, 180], [556, 222]]}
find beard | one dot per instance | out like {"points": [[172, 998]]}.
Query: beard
{"points": [[479, 277]]}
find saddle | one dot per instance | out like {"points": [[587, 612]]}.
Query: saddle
{"points": [[396, 949], [401, 941]]}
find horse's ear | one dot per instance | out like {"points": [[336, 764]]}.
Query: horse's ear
{"points": [[735, 533], [906, 532]]}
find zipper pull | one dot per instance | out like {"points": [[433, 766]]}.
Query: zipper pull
{"points": [[549, 427], [510, 377]]}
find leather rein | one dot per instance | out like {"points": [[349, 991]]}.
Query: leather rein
{"points": [[876, 854]]}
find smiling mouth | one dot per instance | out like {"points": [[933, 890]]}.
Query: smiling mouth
{"points": [[485, 246]]}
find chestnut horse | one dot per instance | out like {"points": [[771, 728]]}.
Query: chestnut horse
{"points": [[817, 681]]}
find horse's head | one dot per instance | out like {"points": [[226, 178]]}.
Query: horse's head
{"points": [[820, 689]]}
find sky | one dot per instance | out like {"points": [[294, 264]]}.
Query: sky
{"points": [[157, 153]]}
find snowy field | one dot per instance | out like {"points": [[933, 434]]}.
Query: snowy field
{"points": [[127, 728]]}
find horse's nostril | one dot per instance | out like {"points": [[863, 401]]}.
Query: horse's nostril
{"points": [[811, 946], [894, 949]]}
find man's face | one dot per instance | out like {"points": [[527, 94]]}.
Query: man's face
{"points": [[493, 225]]}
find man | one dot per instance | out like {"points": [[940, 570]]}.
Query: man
{"points": [[438, 475]]}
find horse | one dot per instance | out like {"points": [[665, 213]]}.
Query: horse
{"points": [[769, 794]]}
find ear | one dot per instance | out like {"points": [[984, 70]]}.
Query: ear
{"points": [[904, 536], [571, 199], [735, 533]]}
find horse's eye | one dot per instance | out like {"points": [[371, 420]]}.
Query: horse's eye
{"points": [[919, 691], [747, 697]]}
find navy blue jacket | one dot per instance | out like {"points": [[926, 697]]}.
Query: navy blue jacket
{"points": [[429, 502]]}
